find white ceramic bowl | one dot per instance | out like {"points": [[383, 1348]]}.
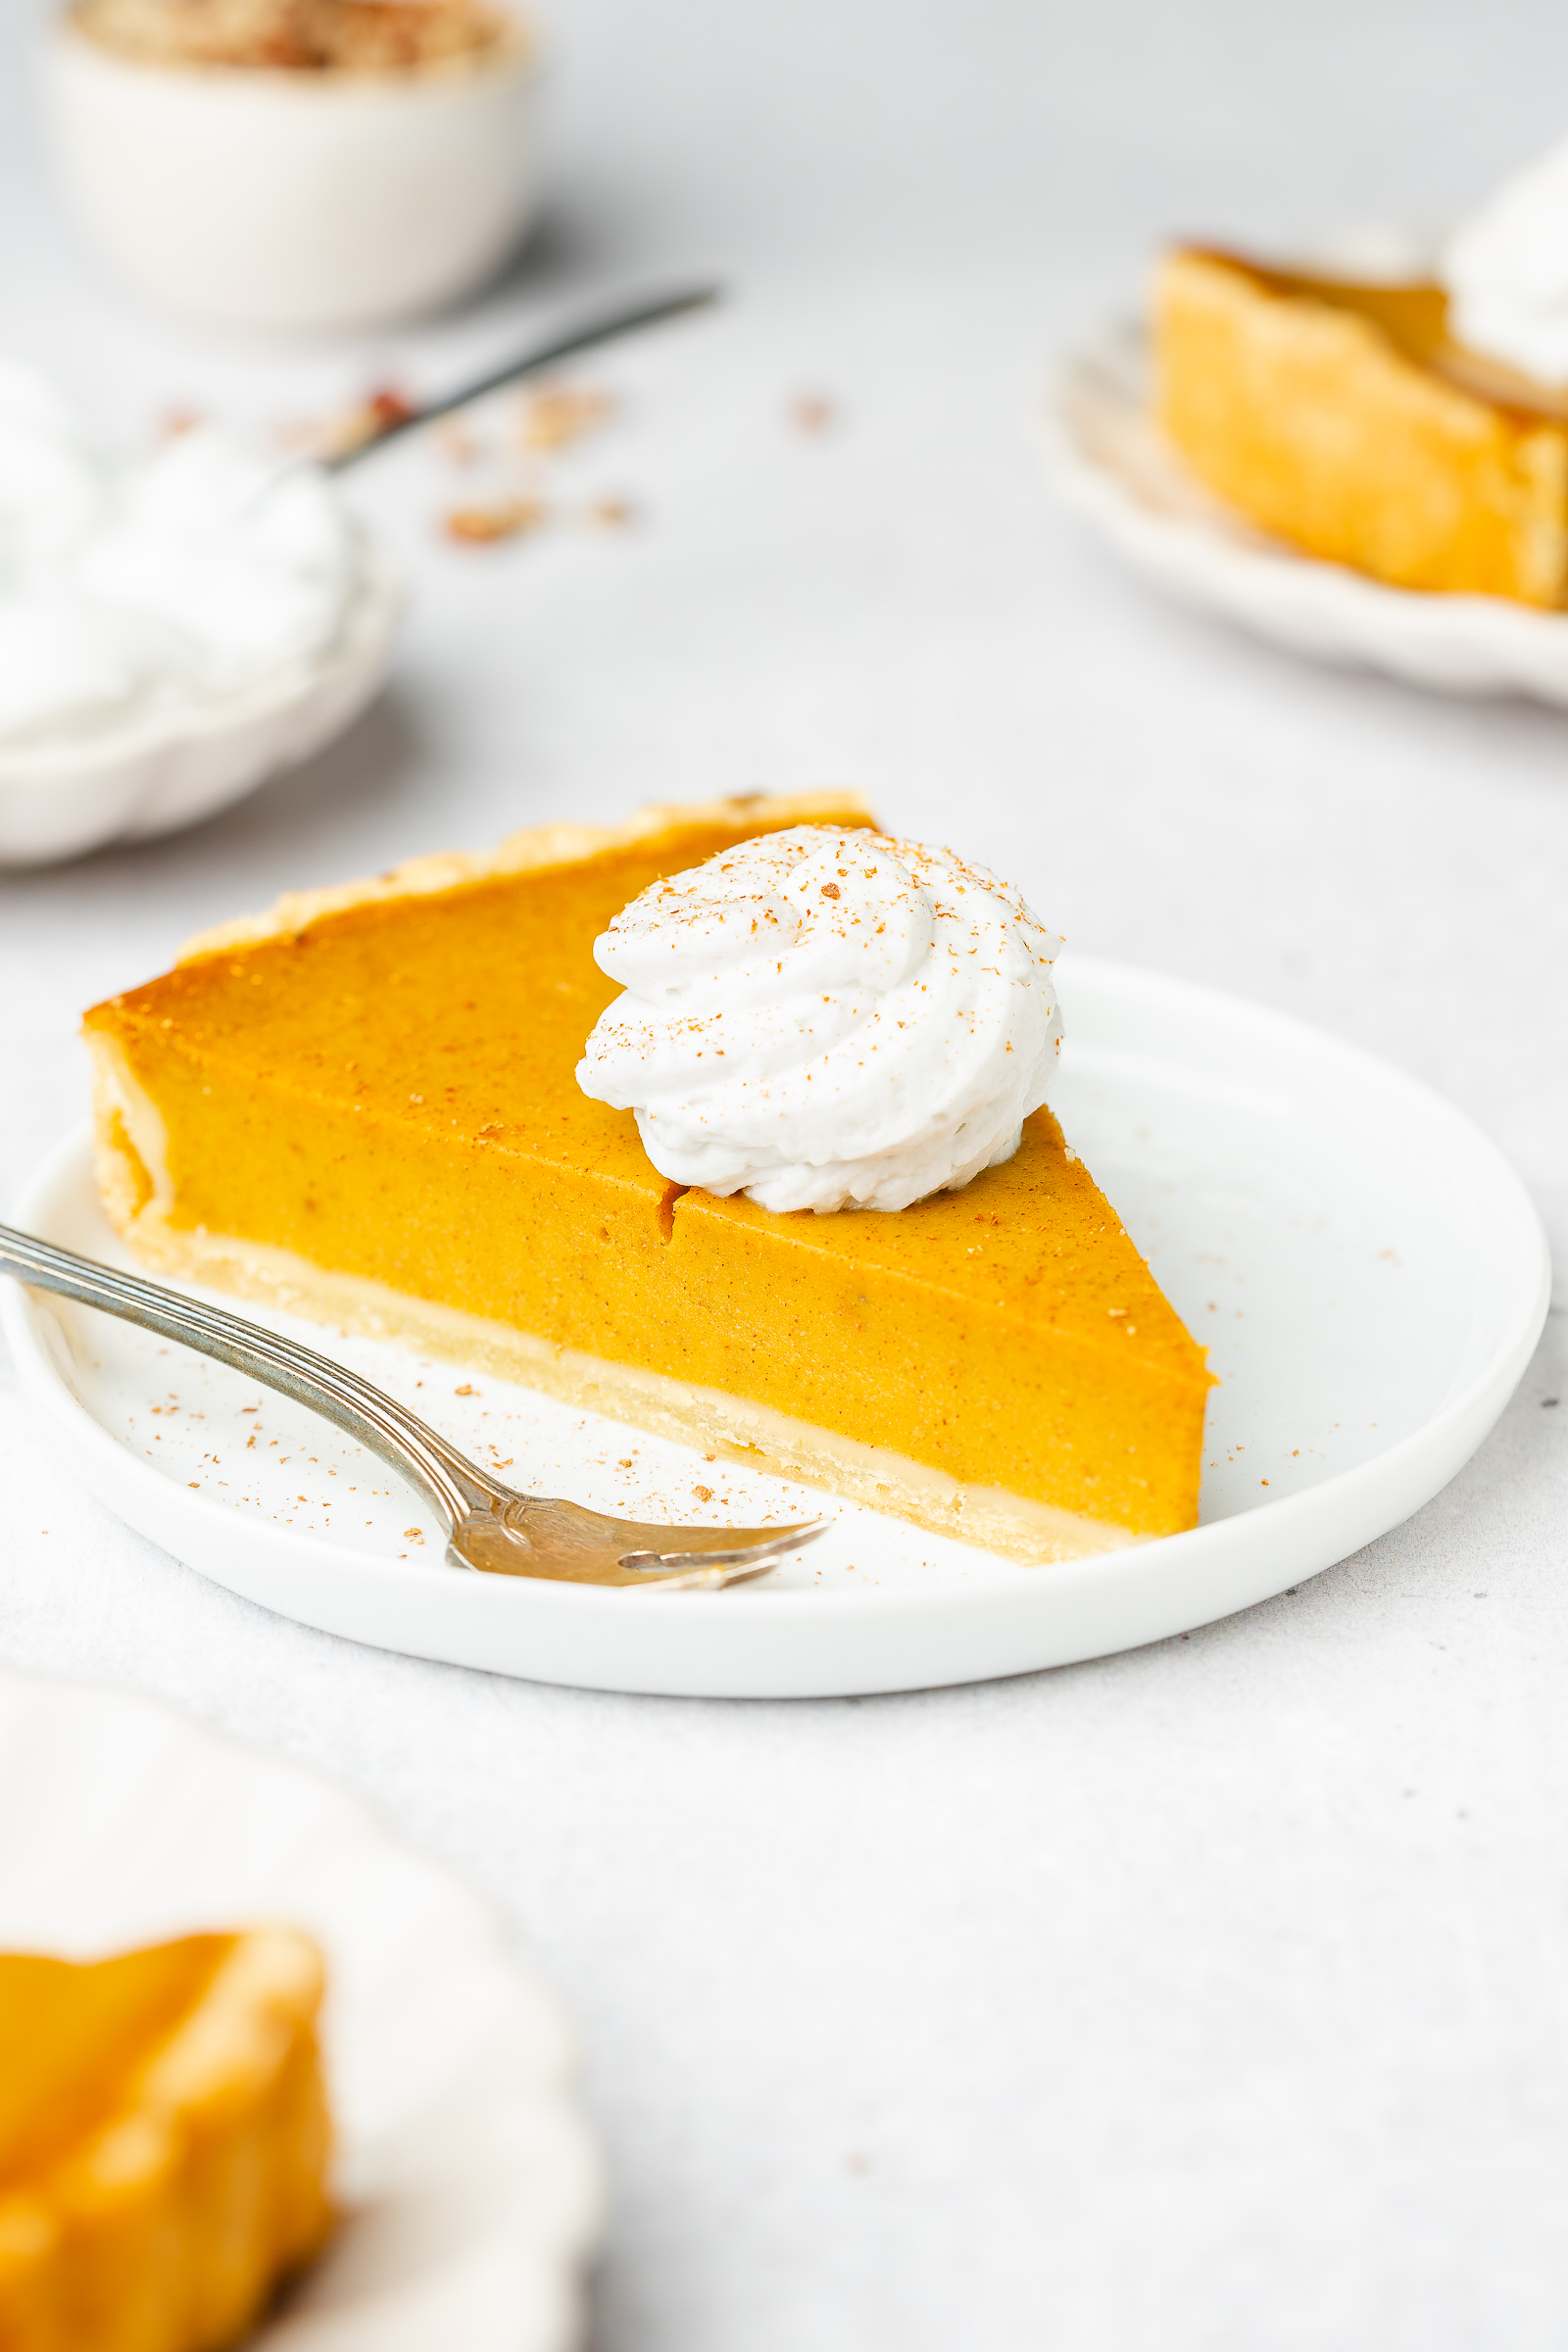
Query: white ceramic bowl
{"points": [[158, 774], [298, 203]]}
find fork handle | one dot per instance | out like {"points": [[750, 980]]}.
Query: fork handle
{"points": [[453, 1484]]}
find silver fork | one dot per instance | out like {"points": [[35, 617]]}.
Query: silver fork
{"points": [[489, 1525]]}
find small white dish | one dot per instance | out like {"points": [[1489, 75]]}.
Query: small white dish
{"points": [[1367, 1271], [158, 773], [1112, 464], [294, 202], [470, 2182]]}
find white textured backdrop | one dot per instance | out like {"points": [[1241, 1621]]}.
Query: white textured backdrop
{"points": [[1213, 1997]]}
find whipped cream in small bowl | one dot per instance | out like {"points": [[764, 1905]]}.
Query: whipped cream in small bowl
{"points": [[172, 629], [827, 1019]]}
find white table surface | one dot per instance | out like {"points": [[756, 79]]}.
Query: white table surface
{"points": [[1213, 1997]]}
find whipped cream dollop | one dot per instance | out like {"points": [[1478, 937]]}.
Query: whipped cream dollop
{"points": [[1506, 273], [826, 1019], [129, 588]]}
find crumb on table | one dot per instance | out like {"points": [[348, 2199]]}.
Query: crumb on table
{"points": [[813, 413], [352, 428], [506, 519], [551, 416]]}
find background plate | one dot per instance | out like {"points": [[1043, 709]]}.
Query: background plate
{"points": [[1111, 464], [1368, 1273], [471, 2182]]}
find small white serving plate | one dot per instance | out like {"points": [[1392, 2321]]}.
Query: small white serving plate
{"points": [[1112, 464], [160, 773], [471, 2184], [1367, 1271]]}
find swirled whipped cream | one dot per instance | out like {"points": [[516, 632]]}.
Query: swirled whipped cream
{"points": [[1506, 273], [132, 588], [826, 1019]]}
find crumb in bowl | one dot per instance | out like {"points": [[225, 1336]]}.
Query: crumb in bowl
{"points": [[309, 36]]}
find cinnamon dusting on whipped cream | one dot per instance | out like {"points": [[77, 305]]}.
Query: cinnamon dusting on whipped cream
{"points": [[827, 1019]]}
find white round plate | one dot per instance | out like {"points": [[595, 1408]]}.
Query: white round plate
{"points": [[470, 2182], [1368, 1273], [1114, 467], [160, 773]]}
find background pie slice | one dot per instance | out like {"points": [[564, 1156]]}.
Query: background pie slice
{"points": [[1344, 417], [163, 2140], [364, 1107]]}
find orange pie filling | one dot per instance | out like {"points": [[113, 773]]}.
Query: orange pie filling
{"points": [[364, 1109]]}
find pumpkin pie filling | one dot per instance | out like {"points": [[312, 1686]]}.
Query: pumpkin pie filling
{"points": [[363, 1108]]}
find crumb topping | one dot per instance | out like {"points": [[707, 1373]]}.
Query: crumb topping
{"points": [[301, 36]]}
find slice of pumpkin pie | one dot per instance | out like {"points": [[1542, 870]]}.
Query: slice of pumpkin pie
{"points": [[164, 2139], [367, 1108], [1347, 419]]}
